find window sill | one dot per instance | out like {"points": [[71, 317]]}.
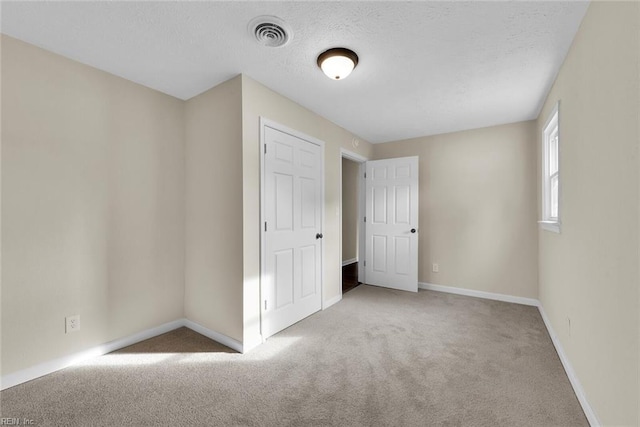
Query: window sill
{"points": [[553, 226]]}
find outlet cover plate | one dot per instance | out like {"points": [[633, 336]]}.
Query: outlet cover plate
{"points": [[72, 323]]}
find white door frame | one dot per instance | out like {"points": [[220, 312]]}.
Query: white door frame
{"points": [[264, 122], [350, 155]]}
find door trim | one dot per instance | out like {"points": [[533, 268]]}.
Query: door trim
{"points": [[264, 123]]}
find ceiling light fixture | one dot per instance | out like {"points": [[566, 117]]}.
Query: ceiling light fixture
{"points": [[337, 63]]}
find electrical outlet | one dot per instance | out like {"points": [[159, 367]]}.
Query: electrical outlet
{"points": [[435, 268], [72, 323]]}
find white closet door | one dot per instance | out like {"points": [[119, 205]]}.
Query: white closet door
{"points": [[291, 282]]}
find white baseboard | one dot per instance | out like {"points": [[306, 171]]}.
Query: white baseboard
{"points": [[479, 294], [573, 379], [332, 301], [250, 343], [216, 336], [568, 368], [49, 367], [349, 261]]}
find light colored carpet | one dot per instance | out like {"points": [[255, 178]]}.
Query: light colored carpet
{"points": [[378, 358]]}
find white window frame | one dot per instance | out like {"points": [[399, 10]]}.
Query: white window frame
{"points": [[550, 222]]}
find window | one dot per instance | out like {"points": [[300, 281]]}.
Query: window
{"points": [[550, 174]]}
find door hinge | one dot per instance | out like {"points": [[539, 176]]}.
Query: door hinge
{"points": [[265, 305], [265, 148], [265, 226], [365, 175], [365, 219], [365, 262]]}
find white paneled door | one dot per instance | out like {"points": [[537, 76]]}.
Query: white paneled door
{"points": [[292, 216], [391, 223]]}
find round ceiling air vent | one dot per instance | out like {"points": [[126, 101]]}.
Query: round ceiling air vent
{"points": [[270, 31]]}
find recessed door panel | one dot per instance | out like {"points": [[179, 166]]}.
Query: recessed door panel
{"points": [[307, 159], [379, 197], [308, 270], [402, 255], [402, 204], [284, 277], [379, 244], [284, 152], [284, 201], [308, 202], [403, 171], [379, 173]]}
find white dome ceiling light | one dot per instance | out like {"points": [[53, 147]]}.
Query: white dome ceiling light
{"points": [[337, 63]]}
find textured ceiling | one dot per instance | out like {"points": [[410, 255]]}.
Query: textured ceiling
{"points": [[425, 67]]}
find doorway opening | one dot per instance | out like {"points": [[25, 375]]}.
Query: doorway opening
{"points": [[352, 219]]}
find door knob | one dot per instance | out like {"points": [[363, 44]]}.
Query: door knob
{"points": [[319, 236], [413, 230]]}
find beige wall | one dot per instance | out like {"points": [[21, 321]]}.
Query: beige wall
{"points": [[477, 207], [213, 281], [350, 186], [257, 100], [589, 272], [92, 206]]}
